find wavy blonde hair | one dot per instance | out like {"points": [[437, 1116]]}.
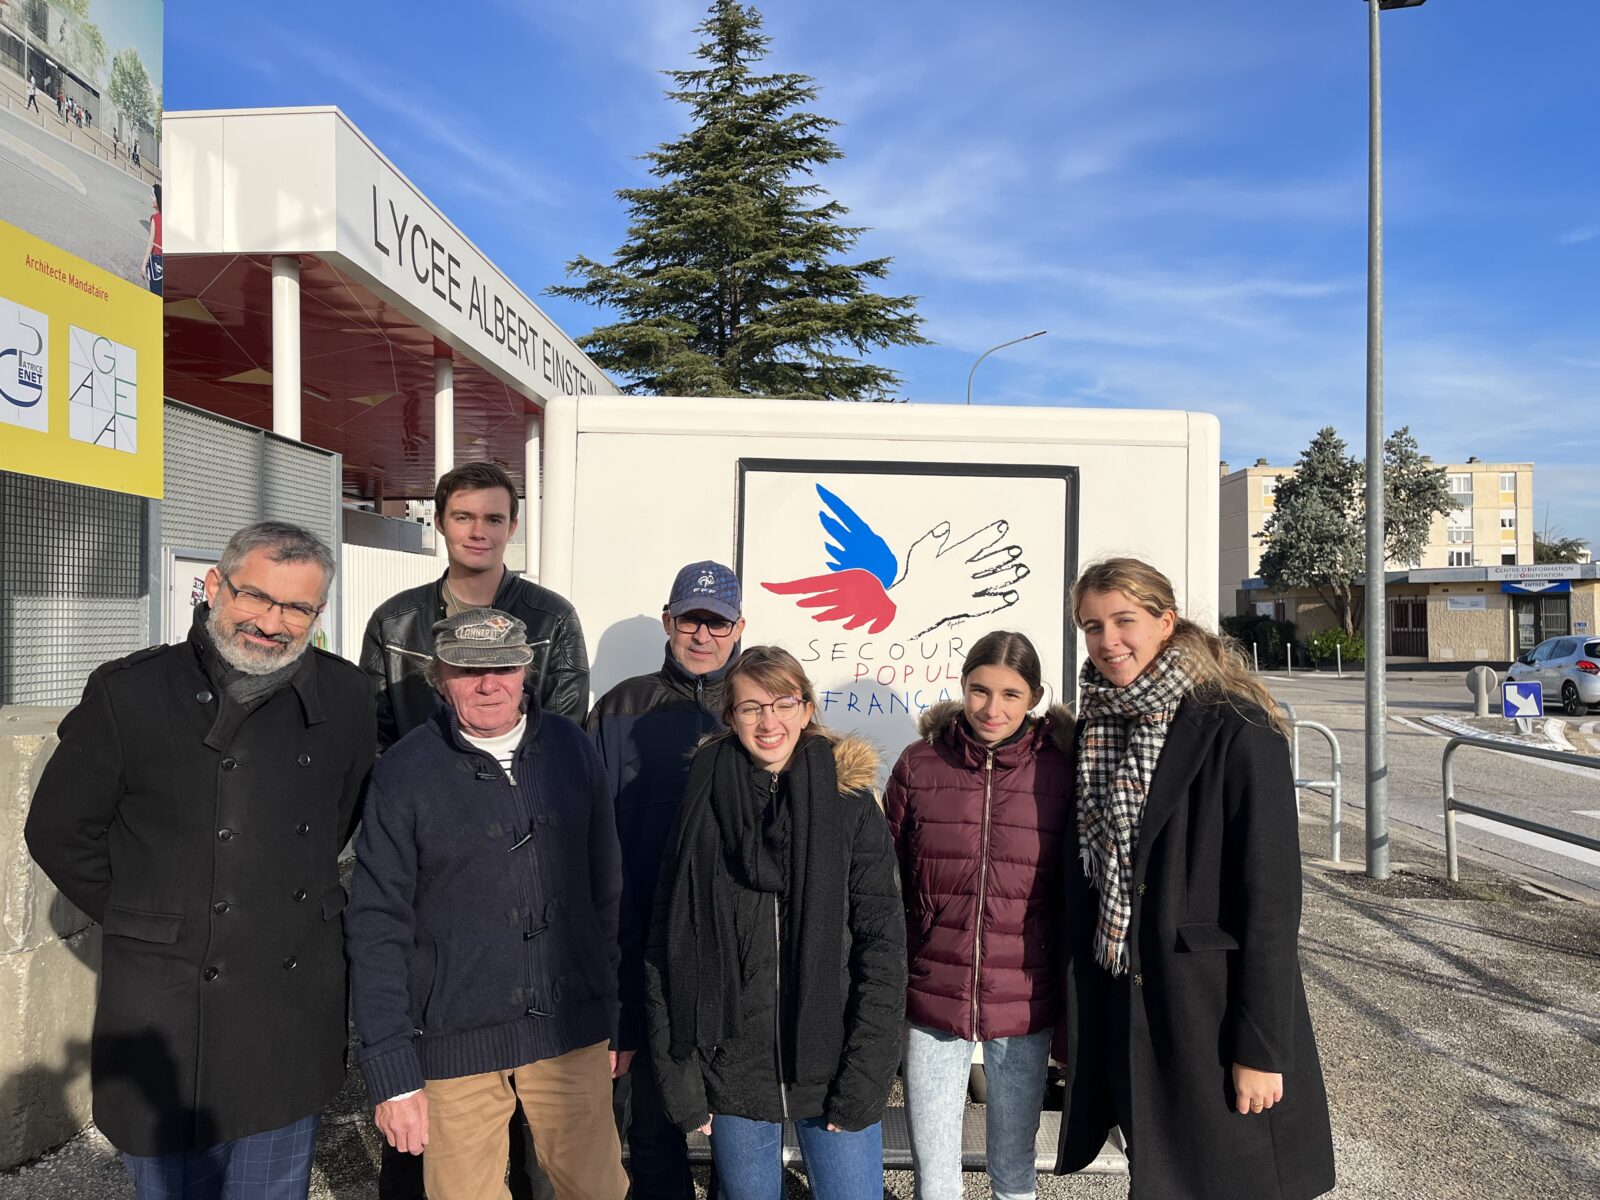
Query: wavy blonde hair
{"points": [[1217, 663]]}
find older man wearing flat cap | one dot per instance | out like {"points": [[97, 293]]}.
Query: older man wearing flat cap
{"points": [[482, 929]]}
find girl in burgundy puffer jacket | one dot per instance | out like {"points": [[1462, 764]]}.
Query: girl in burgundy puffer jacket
{"points": [[979, 810]]}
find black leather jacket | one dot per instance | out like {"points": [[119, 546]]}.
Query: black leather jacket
{"points": [[399, 642]]}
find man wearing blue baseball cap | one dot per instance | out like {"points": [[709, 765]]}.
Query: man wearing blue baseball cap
{"points": [[645, 728]]}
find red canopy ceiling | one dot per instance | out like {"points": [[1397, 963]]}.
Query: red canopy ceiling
{"points": [[366, 372]]}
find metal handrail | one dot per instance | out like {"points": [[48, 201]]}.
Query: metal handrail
{"points": [[1336, 784], [1453, 806]]}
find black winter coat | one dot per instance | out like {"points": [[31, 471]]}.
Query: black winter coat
{"points": [[742, 1076], [646, 729], [1214, 979], [215, 874], [399, 642]]}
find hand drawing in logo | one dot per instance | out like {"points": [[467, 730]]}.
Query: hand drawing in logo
{"points": [[944, 579]]}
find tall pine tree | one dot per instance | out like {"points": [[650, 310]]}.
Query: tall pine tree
{"points": [[728, 283]]}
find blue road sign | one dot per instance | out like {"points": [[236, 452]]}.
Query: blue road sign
{"points": [[1522, 699]]}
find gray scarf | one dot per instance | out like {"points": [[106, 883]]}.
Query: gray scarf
{"points": [[241, 691], [1121, 731]]}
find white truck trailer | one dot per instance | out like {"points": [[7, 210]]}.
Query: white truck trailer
{"points": [[874, 541]]}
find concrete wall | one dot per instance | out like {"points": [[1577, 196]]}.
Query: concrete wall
{"points": [[1586, 607], [49, 965], [1469, 635]]}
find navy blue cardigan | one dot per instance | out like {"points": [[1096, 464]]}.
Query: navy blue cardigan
{"points": [[482, 925]]}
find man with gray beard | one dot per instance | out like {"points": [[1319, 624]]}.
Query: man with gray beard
{"points": [[196, 808]]}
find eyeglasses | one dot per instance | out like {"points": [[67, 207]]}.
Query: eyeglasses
{"points": [[715, 626], [784, 708], [258, 604]]}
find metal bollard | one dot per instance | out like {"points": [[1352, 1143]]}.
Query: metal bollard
{"points": [[1288, 650], [1482, 683], [1338, 659], [1255, 657]]}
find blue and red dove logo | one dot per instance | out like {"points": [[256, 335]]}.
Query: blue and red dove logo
{"points": [[939, 581]]}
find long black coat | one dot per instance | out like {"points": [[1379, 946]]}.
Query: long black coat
{"points": [[1214, 979], [215, 876]]}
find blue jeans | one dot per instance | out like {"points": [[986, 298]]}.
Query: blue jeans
{"points": [[839, 1166], [274, 1165], [935, 1072]]}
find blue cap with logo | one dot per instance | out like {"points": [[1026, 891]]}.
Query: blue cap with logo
{"points": [[705, 587]]}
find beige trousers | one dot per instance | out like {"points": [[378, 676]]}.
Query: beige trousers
{"points": [[568, 1104]]}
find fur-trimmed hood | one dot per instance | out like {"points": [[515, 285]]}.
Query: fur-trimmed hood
{"points": [[855, 763], [937, 718]]}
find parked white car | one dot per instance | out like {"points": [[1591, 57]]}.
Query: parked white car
{"points": [[1568, 667]]}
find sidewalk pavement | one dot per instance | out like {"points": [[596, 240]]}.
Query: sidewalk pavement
{"points": [[1459, 1028]]}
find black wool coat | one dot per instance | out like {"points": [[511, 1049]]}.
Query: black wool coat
{"points": [[1214, 978], [215, 875]]}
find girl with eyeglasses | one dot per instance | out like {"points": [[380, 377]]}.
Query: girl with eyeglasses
{"points": [[979, 810], [1188, 1024], [776, 963]]}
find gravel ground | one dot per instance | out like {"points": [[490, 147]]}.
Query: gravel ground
{"points": [[1459, 1027]]}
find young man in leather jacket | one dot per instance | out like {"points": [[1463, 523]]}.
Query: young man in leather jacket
{"points": [[475, 512]]}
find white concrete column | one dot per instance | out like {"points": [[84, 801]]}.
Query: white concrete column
{"points": [[532, 507], [286, 346], [444, 429], [558, 513]]}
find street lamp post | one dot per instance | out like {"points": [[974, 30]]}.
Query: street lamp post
{"points": [[1376, 595], [992, 349]]}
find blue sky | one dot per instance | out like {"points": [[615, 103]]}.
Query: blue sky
{"points": [[1176, 191]]}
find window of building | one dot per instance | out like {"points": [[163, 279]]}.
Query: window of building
{"points": [[1460, 486], [1269, 493], [1508, 559], [1459, 558], [1458, 528], [1508, 524], [1508, 481]]}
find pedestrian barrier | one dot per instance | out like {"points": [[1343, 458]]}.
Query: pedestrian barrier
{"points": [[1334, 786], [1452, 806]]}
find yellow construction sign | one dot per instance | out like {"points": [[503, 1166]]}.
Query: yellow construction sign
{"points": [[80, 370]]}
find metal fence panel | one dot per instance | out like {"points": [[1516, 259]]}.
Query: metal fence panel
{"points": [[213, 479], [72, 574], [75, 564]]}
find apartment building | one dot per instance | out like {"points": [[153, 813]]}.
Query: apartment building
{"points": [[1493, 527]]}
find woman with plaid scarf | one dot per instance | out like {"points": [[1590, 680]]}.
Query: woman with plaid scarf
{"points": [[1187, 1022]]}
